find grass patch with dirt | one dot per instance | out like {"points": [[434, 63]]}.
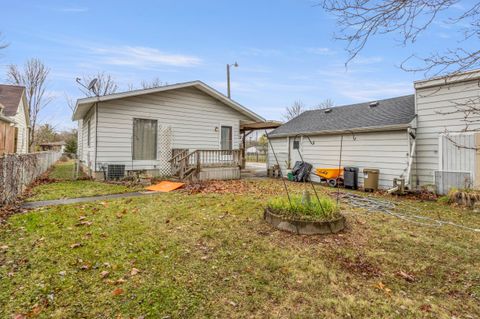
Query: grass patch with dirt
{"points": [[206, 252], [64, 186], [63, 170]]}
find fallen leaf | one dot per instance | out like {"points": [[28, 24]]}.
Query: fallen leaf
{"points": [[406, 276], [104, 274], [85, 267], [117, 291], [426, 307], [82, 217], [19, 316], [120, 281], [380, 285], [134, 271], [76, 245], [4, 247], [84, 223], [62, 273], [36, 310]]}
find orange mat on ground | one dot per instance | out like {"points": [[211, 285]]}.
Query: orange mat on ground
{"points": [[164, 186]]}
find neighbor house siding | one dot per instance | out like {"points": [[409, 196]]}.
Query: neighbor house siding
{"points": [[22, 126], [386, 151], [435, 108], [193, 118]]}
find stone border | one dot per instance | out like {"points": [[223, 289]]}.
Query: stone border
{"points": [[302, 227]]}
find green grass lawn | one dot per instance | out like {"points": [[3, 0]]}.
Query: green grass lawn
{"points": [[63, 170], [79, 188], [176, 255], [67, 187]]}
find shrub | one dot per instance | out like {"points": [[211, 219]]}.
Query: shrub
{"points": [[71, 146], [464, 197], [312, 210]]}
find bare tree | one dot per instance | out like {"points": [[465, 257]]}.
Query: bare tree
{"points": [[294, 110], [360, 20], [105, 84], [70, 102], [153, 83], [33, 77], [3, 44], [325, 104]]}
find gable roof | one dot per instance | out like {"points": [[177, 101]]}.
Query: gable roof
{"points": [[83, 105], [390, 113], [4, 118], [10, 96]]}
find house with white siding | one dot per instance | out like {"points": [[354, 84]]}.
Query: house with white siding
{"points": [[428, 138], [186, 129], [15, 110], [375, 135]]}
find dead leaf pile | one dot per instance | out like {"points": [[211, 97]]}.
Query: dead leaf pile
{"points": [[360, 265]]}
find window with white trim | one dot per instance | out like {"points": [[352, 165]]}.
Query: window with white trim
{"points": [[226, 138]]}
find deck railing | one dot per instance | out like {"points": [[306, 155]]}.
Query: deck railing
{"points": [[185, 164]]}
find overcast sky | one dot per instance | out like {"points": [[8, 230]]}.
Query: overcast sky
{"points": [[285, 48]]}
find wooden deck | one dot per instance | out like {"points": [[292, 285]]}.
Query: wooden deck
{"points": [[206, 164]]}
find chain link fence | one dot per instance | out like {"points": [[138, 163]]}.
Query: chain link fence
{"points": [[19, 170]]}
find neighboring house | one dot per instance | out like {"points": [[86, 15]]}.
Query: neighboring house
{"points": [[52, 146], [251, 150], [422, 138], [448, 136], [381, 137], [15, 109], [174, 129]]}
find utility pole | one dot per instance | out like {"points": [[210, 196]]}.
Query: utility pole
{"points": [[228, 77]]}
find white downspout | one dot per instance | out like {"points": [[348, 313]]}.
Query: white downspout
{"points": [[410, 162]]}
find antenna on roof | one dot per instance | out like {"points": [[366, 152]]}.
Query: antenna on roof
{"points": [[91, 86]]}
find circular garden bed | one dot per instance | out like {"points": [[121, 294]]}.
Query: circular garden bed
{"points": [[303, 216], [304, 227]]}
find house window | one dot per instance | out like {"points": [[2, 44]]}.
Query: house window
{"points": [[144, 139], [88, 133], [296, 145], [226, 138]]}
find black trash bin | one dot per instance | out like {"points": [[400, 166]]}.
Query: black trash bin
{"points": [[350, 177]]}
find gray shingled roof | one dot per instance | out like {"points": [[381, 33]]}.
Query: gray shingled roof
{"points": [[10, 96], [388, 112]]}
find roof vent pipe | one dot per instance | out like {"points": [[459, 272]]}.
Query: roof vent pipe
{"points": [[328, 110], [373, 104]]}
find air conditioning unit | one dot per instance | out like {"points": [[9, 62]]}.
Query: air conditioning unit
{"points": [[115, 171], [446, 180]]}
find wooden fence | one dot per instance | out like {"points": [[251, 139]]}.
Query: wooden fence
{"points": [[19, 170], [7, 138]]}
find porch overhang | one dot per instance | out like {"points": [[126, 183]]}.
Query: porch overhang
{"points": [[259, 126]]}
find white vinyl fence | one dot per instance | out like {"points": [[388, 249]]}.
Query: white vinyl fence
{"points": [[19, 170]]}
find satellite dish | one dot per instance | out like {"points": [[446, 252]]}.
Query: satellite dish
{"points": [[91, 86]]}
